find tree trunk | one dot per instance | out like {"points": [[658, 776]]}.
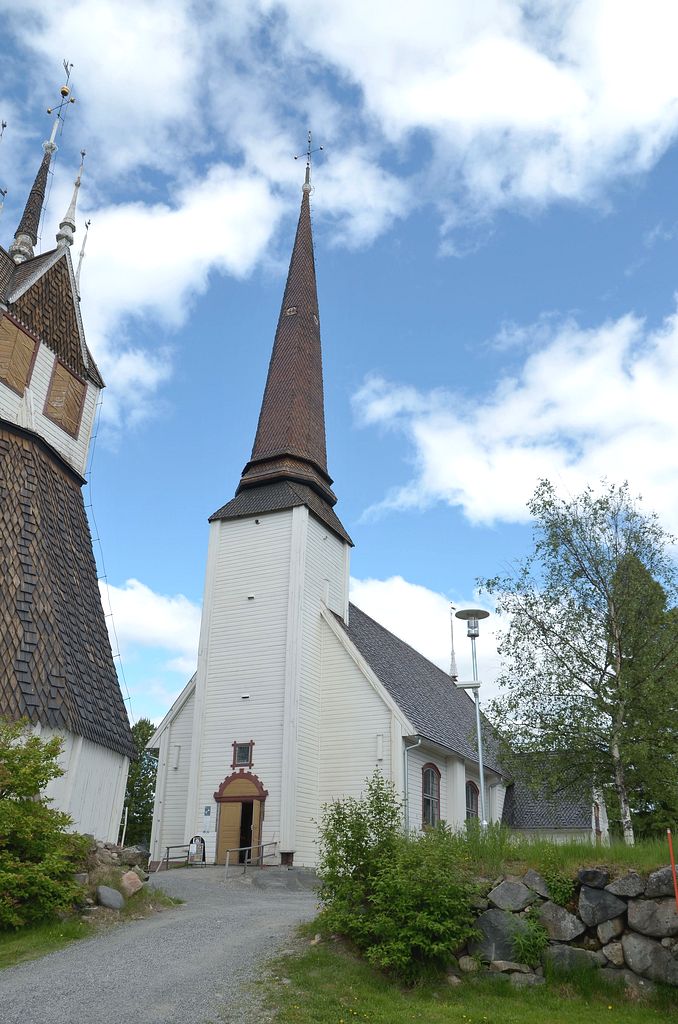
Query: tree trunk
{"points": [[620, 786]]}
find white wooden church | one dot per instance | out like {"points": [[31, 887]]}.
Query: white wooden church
{"points": [[298, 695]]}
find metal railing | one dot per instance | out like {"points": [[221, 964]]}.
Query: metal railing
{"points": [[166, 859], [259, 858]]}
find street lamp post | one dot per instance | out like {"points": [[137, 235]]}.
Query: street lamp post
{"points": [[472, 616]]}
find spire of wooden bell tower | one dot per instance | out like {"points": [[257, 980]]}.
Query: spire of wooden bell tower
{"points": [[290, 439]]}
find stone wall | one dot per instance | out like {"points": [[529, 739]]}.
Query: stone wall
{"points": [[626, 927]]}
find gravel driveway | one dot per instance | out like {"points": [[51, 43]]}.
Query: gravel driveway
{"points": [[190, 964]]}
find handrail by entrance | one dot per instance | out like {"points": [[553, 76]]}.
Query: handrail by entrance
{"points": [[255, 846], [166, 859]]}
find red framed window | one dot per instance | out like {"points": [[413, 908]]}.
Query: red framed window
{"points": [[243, 754], [430, 796], [472, 794]]}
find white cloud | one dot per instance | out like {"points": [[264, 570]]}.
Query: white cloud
{"points": [[421, 617], [590, 403], [144, 619]]}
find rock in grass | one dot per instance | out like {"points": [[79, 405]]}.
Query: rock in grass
{"points": [[658, 918], [130, 883], [595, 878], [468, 964], [570, 958], [560, 924], [509, 967], [630, 884], [609, 930], [533, 880], [498, 930], [647, 957], [111, 898], [598, 905], [614, 953], [526, 980], [512, 896], [660, 883]]}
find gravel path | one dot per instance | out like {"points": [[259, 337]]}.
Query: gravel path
{"points": [[190, 964]]}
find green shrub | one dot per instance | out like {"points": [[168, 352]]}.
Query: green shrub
{"points": [[37, 854], [561, 884], [530, 943], [405, 901]]}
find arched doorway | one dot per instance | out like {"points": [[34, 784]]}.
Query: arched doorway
{"points": [[241, 799]]}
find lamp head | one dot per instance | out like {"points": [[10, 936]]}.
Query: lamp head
{"points": [[472, 616]]}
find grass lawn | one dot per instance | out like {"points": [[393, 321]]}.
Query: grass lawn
{"points": [[37, 940], [327, 985]]}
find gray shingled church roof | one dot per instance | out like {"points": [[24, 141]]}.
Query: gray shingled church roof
{"points": [[525, 808], [426, 694]]}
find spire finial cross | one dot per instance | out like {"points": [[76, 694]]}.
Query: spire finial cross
{"points": [[66, 98], [309, 153]]}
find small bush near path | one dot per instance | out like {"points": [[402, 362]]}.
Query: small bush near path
{"points": [[37, 854], [404, 901], [328, 985]]}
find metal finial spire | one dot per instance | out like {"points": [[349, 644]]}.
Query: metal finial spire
{"points": [[3, 191], [81, 257], [26, 235], [454, 674], [67, 225], [309, 154]]}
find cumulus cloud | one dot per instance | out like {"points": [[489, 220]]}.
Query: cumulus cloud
{"points": [[421, 617], [141, 619], [184, 106], [588, 404]]}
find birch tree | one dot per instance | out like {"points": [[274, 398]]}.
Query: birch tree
{"points": [[589, 684]]}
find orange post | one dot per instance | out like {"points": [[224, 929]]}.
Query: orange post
{"points": [[673, 866]]}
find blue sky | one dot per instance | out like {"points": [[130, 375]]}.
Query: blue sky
{"points": [[496, 230]]}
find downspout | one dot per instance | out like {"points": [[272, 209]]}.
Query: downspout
{"points": [[406, 781]]}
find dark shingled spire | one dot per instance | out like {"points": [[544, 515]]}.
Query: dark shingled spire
{"points": [[26, 235], [290, 440]]}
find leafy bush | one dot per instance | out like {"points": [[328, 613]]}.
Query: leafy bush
{"points": [[405, 901], [561, 885], [37, 854], [530, 943]]}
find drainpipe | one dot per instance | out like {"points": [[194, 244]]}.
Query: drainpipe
{"points": [[406, 781]]}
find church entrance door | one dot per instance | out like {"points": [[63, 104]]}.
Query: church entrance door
{"points": [[241, 799]]}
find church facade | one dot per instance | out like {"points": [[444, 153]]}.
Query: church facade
{"points": [[298, 695], [56, 666]]}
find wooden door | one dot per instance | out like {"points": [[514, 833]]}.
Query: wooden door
{"points": [[228, 834]]}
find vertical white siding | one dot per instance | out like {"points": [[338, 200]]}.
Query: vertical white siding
{"points": [[244, 636], [175, 756], [355, 726], [456, 793], [27, 412], [92, 788]]}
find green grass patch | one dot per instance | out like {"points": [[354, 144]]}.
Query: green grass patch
{"points": [[501, 851], [34, 941], [328, 985]]}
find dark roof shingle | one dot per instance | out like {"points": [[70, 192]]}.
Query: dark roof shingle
{"points": [[426, 694], [526, 808], [276, 496]]}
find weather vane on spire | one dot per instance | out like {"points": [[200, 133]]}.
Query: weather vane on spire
{"points": [[3, 191], [66, 99], [309, 154]]}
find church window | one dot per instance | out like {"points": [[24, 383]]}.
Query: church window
{"points": [[65, 399], [471, 800], [243, 754], [17, 354], [430, 796]]}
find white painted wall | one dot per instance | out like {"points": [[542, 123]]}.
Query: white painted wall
{"points": [[356, 727], [242, 651], [174, 759], [92, 788], [27, 412]]}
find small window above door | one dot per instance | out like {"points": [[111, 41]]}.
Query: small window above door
{"points": [[243, 754]]}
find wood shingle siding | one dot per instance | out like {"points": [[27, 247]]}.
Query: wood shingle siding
{"points": [[17, 352]]}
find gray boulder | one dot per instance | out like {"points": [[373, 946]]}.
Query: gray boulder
{"points": [[560, 924], [623, 976], [649, 958], [81, 878], [654, 917], [595, 878], [660, 883], [609, 930], [133, 855], [498, 930], [598, 905], [571, 958], [526, 980], [513, 896], [111, 898], [630, 884], [509, 967], [533, 880], [468, 964], [614, 953]]}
